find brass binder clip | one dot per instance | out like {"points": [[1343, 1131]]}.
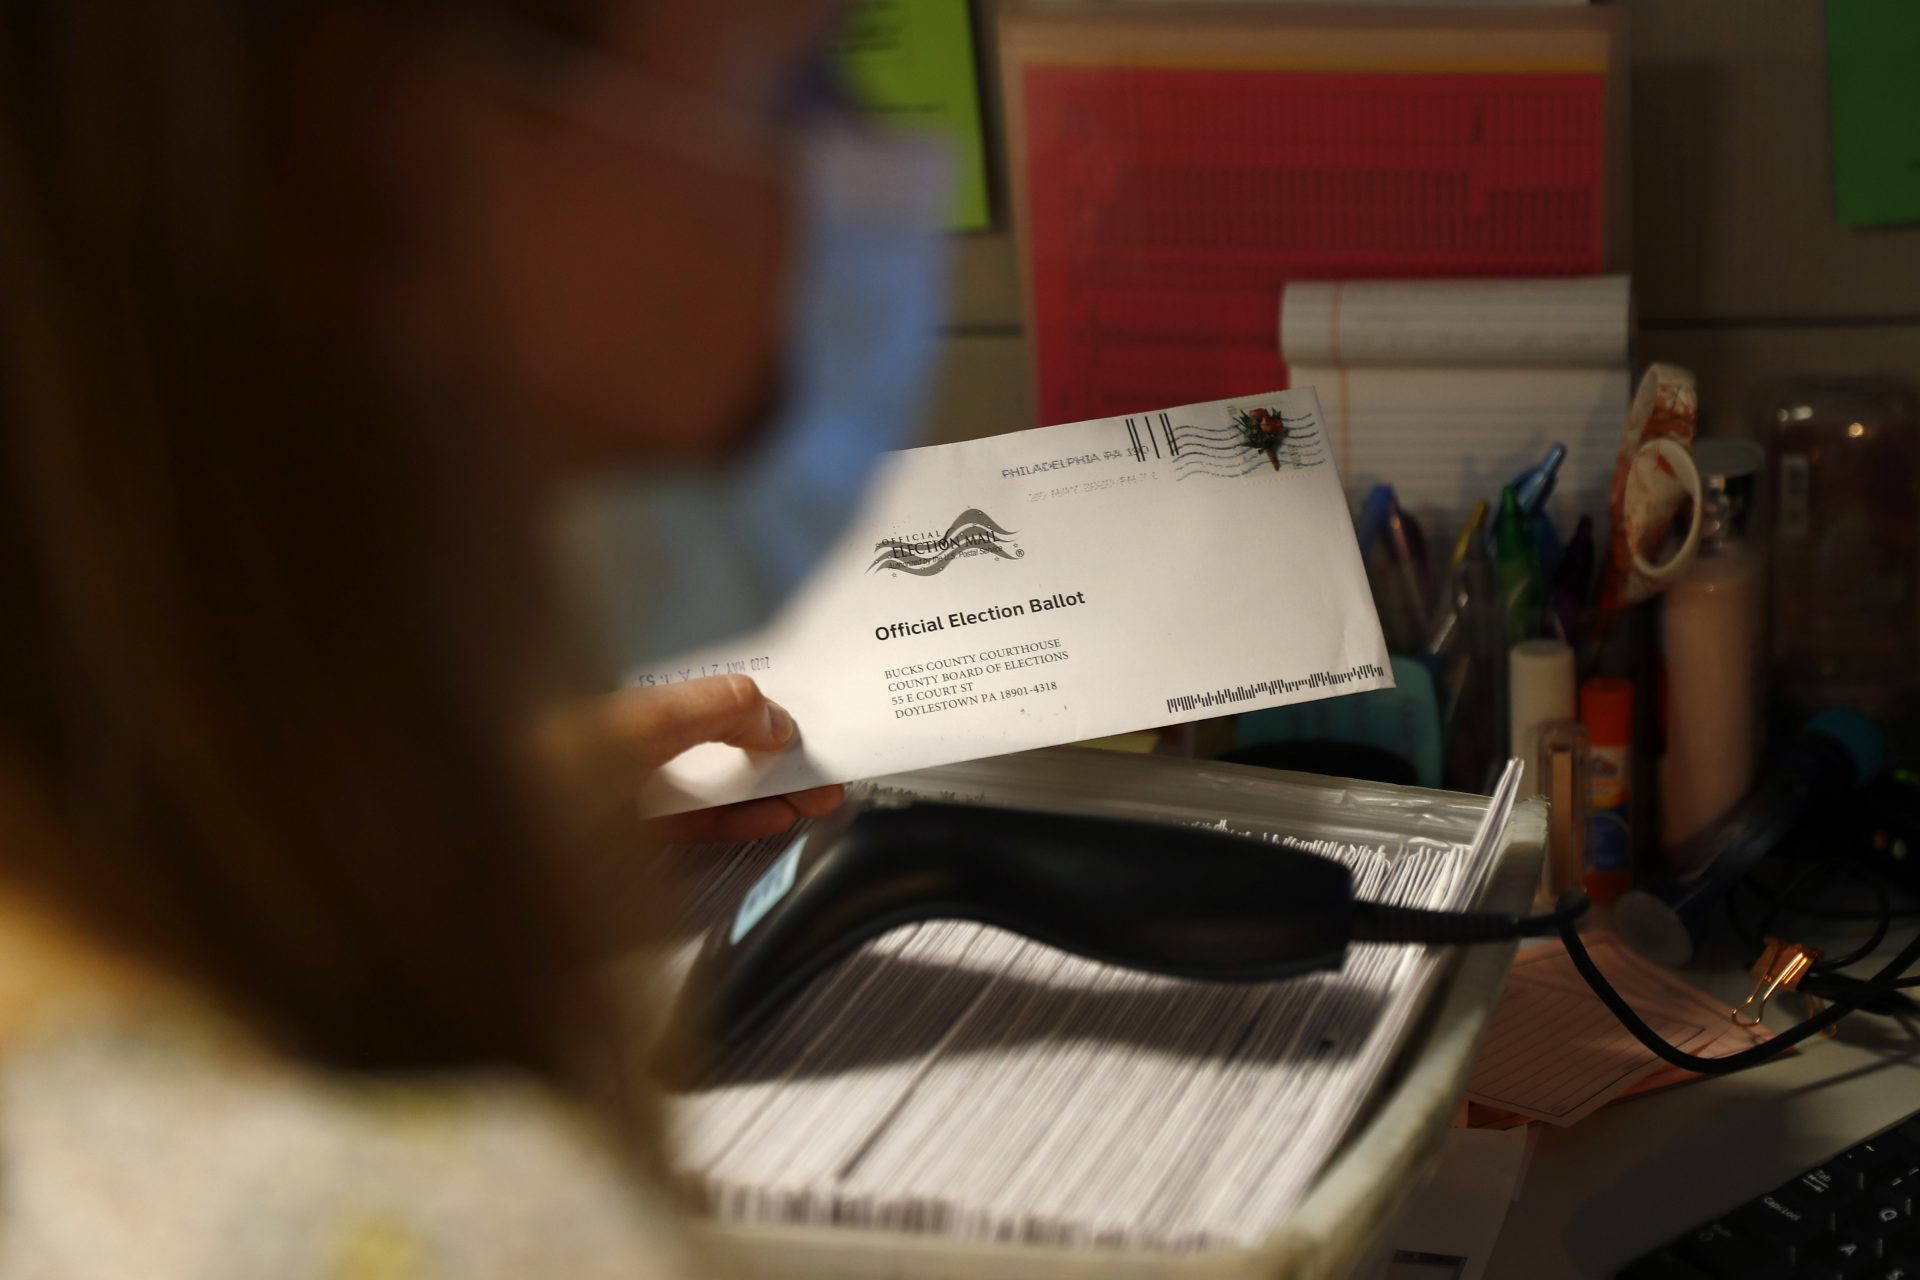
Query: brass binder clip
{"points": [[1781, 965]]}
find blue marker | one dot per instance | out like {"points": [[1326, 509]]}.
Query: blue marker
{"points": [[1373, 518], [1531, 489]]}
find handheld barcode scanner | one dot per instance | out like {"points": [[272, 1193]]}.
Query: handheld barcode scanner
{"points": [[1182, 901]]}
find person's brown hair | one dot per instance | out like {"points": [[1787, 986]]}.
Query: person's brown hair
{"points": [[271, 621]]}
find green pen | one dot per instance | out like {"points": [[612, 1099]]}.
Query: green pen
{"points": [[1516, 568]]}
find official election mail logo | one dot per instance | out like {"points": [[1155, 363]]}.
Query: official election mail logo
{"points": [[1248, 440], [972, 533]]}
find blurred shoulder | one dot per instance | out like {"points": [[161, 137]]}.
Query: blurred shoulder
{"points": [[126, 1152]]}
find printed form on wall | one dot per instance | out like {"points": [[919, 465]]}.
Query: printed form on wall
{"points": [[1174, 170]]}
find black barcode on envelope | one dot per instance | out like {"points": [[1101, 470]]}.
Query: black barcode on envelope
{"points": [[1151, 434]]}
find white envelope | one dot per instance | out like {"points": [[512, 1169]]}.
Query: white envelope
{"points": [[1054, 585]]}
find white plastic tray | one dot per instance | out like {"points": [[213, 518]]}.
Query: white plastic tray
{"points": [[1337, 1225]]}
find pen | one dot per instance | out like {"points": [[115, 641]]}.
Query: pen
{"points": [[1475, 685], [1417, 544], [1448, 622], [1531, 489], [1407, 550], [1476, 524], [1373, 518], [1516, 568], [1567, 598], [1450, 656]]}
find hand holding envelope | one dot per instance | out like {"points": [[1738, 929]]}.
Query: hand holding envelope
{"points": [[1055, 585], [604, 748]]}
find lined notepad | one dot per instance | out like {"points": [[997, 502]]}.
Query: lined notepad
{"points": [[1446, 389], [1579, 322], [954, 1079]]}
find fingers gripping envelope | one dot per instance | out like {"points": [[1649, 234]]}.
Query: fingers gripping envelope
{"points": [[1054, 585]]}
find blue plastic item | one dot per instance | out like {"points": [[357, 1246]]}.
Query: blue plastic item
{"points": [[1372, 521], [1865, 744], [1531, 489]]}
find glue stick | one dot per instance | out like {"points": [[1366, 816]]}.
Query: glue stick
{"points": [[1539, 690]]}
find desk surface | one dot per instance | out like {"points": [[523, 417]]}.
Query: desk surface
{"points": [[1641, 1171]]}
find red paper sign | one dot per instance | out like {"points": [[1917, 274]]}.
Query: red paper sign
{"points": [[1167, 208]]}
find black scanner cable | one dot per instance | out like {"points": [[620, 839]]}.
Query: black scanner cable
{"points": [[1188, 902], [1375, 922], [1859, 996]]}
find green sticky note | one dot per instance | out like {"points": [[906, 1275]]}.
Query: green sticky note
{"points": [[910, 63], [1873, 76]]}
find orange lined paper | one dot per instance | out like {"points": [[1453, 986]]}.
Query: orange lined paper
{"points": [[1555, 1053]]}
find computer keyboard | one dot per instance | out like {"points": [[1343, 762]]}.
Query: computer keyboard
{"points": [[1850, 1218]]}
